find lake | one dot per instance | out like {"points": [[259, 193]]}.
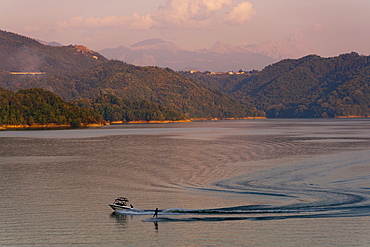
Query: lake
{"points": [[274, 182]]}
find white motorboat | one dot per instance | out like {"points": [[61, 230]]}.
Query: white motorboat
{"points": [[121, 203]]}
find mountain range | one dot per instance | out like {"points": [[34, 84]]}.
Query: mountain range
{"points": [[75, 72], [311, 86], [220, 57]]}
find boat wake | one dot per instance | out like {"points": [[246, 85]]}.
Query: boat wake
{"points": [[255, 212], [232, 210], [308, 190]]}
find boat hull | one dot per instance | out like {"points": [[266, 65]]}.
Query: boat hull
{"points": [[120, 207]]}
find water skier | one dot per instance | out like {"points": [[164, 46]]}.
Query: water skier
{"points": [[155, 213]]}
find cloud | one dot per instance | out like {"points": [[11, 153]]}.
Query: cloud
{"points": [[240, 14], [189, 13], [135, 21], [174, 14]]}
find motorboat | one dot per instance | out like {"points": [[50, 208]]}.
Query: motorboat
{"points": [[121, 203]]}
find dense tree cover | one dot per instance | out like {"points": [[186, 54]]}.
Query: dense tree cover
{"points": [[113, 108], [308, 87], [224, 82], [61, 85], [312, 87], [39, 106], [161, 86], [74, 73]]}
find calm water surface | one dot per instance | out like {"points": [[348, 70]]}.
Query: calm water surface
{"points": [[226, 183]]}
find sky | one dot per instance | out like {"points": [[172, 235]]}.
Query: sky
{"points": [[329, 27]]}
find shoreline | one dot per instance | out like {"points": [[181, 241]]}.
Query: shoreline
{"points": [[68, 126], [181, 121], [45, 126], [351, 116], [149, 122], [218, 119]]}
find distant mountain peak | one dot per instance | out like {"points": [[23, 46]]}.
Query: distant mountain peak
{"points": [[155, 44], [157, 52], [220, 57], [224, 48], [52, 43], [149, 42], [286, 48]]}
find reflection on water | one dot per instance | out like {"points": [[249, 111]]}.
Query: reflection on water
{"points": [[121, 219], [241, 182]]}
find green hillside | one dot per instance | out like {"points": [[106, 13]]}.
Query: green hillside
{"points": [[312, 87], [39, 106], [22, 54], [74, 72], [162, 86], [113, 108], [308, 87]]}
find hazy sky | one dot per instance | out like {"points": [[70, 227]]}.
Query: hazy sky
{"points": [[330, 27]]}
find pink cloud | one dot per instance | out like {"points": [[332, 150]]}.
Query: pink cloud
{"points": [[240, 14], [188, 13], [135, 21], [175, 13]]}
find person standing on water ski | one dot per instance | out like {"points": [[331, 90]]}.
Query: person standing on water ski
{"points": [[155, 213]]}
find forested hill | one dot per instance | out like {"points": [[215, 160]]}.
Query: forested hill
{"points": [[21, 54], [75, 72], [308, 87], [161, 86], [38, 107]]}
